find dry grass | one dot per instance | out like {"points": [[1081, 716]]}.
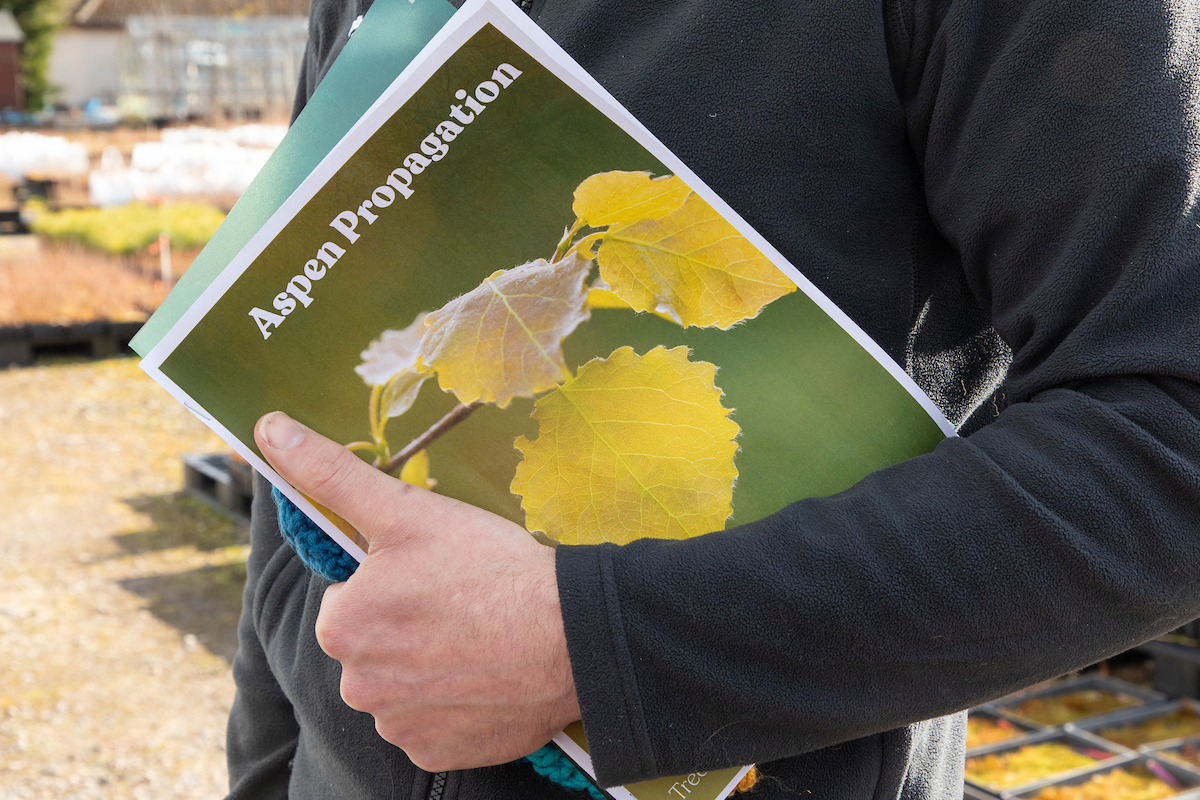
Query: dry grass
{"points": [[118, 596], [66, 285]]}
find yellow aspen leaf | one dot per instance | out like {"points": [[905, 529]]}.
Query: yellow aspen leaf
{"points": [[603, 298], [416, 471], [401, 392], [600, 297], [392, 353], [692, 266], [632, 446], [503, 339], [393, 362], [619, 198]]}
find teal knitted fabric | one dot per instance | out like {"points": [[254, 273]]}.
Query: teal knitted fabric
{"points": [[318, 552], [326, 558], [549, 762]]}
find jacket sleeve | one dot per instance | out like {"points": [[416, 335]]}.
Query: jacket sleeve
{"points": [[1060, 146], [263, 733]]}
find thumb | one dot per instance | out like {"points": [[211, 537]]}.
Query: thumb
{"points": [[328, 473]]}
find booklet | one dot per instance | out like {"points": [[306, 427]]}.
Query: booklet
{"points": [[500, 286]]}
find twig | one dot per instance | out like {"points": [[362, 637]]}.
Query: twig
{"points": [[456, 415]]}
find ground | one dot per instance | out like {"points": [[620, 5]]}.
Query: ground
{"points": [[118, 595]]}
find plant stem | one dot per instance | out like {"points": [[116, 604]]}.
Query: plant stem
{"points": [[378, 422], [564, 245], [456, 415]]}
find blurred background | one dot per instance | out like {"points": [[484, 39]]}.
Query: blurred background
{"points": [[128, 129]]}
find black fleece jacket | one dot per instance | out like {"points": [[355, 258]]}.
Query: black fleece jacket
{"points": [[1003, 194]]}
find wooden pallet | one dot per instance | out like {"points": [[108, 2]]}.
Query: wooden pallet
{"points": [[225, 484], [21, 344]]}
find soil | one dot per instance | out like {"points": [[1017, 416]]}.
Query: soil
{"points": [[62, 285], [119, 595]]}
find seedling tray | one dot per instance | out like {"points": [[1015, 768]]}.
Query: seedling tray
{"points": [[1190, 779], [1009, 707], [1022, 729], [1090, 745], [1172, 746], [971, 793], [1134, 716]]}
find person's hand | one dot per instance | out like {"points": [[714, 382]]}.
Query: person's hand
{"points": [[450, 632]]}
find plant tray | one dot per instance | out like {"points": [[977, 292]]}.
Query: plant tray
{"points": [[1189, 779], [1083, 743], [1132, 695], [1172, 748], [1020, 730], [1137, 716]]}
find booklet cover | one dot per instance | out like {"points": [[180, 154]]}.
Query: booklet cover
{"points": [[500, 286]]}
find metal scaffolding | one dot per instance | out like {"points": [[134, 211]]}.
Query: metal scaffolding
{"points": [[189, 67]]}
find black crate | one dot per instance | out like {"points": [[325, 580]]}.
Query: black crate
{"points": [[1176, 668], [220, 481], [21, 344]]}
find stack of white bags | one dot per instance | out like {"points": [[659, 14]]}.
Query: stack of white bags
{"points": [[32, 154], [186, 162]]}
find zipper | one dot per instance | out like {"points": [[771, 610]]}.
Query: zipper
{"points": [[437, 786]]}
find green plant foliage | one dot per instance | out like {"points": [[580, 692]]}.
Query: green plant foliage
{"points": [[39, 20], [127, 229]]}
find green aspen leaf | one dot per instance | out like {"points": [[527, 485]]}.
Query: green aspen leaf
{"points": [[393, 361], [632, 446], [619, 198], [503, 339], [691, 266]]}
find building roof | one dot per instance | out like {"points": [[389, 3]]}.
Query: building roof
{"points": [[10, 31], [113, 13]]}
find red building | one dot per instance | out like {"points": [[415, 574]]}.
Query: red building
{"points": [[11, 38]]}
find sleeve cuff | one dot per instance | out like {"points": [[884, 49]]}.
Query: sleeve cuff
{"points": [[605, 681]]}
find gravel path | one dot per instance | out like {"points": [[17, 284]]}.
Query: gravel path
{"points": [[118, 595]]}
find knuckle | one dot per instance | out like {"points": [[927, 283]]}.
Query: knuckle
{"points": [[329, 638], [357, 693], [334, 637]]}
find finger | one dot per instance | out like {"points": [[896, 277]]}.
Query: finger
{"points": [[336, 478]]}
